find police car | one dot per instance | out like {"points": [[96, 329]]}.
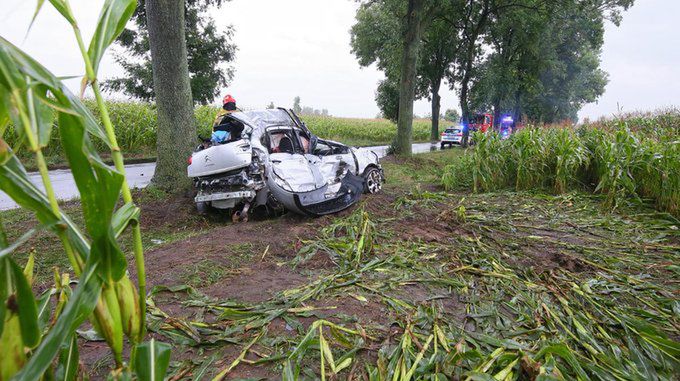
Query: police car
{"points": [[451, 136]]}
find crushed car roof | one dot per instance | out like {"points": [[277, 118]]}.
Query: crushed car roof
{"points": [[261, 119]]}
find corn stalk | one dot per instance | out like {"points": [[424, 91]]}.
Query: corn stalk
{"points": [[30, 96]]}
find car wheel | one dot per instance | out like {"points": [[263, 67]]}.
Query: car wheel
{"points": [[441, 146], [373, 180]]}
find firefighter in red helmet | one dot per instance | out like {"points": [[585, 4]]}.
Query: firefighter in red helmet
{"points": [[228, 106]]}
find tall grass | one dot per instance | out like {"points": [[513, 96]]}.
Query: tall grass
{"points": [[636, 159]]}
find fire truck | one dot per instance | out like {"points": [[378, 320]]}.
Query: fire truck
{"points": [[485, 122], [480, 122]]}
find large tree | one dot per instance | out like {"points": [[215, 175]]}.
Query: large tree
{"points": [[439, 50], [543, 59], [209, 50], [176, 126], [413, 48], [410, 40]]}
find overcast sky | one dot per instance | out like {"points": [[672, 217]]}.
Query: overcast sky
{"points": [[301, 48]]}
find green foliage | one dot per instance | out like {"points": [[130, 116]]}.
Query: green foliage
{"points": [[570, 157], [459, 174], [152, 361], [33, 98], [208, 50], [387, 99], [529, 57], [633, 160], [452, 115], [297, 108]]}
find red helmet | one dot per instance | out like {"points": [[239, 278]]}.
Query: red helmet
{"points": [[228, 99]]}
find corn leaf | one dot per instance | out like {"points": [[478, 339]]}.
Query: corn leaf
{"points": [[152, 360], [99, 188], [4, 274], [123, 217], [61, 7], [112, 20], [44, 309], [565, 353], [79, 307], [66, 101], [26, 306], [67, 367]]}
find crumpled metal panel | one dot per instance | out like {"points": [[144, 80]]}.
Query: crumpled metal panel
{"points": [[297, 174], [261, 119]]}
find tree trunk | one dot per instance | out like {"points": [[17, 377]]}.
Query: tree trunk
{"points": [[407, 82], [464, 89], [465, 109], [517, 112], [436, 107], [176, 135], [467, 76], [496, 114]]}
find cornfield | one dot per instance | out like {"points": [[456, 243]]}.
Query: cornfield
{"points": [[635, 159]]}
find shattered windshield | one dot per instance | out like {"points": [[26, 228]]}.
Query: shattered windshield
{"points": [[261, 119]]}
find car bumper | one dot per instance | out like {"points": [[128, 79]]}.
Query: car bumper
{"points": [[452, 140], [224, 196]]}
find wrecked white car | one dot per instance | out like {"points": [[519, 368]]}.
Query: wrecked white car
{"points": [[270, 160]]}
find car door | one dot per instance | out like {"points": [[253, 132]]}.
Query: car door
{"points": [[291, 168], [334, 160]]}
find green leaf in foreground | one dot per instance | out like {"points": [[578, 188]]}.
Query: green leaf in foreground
{"points": [[152, 360], [112, 21], [79, 307], [26, 307]]}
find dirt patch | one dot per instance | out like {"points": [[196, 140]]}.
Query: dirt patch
{"points": [[257, 283], [237, 246]]}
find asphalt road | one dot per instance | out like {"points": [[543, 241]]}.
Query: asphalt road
{"points": [[138, 176]]}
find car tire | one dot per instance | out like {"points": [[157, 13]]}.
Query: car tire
{"points": [[441, 146], [372, 180]]}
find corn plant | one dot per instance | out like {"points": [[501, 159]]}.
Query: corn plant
{"points": [[32, 335], [623, 163], [568, 155], [489, 163], [616, 160], [528, 153]]}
